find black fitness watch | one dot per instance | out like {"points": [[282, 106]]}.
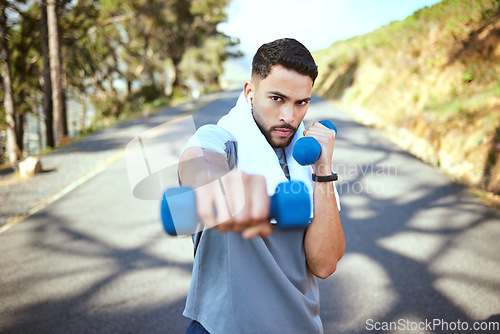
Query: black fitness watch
{"points": [[328, 178]]}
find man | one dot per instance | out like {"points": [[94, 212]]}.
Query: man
{"points": [[247, 276]]}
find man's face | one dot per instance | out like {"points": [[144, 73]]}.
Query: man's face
{"points": [[280, 102]]}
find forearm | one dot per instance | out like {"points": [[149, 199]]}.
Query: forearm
{"points": [[243, 206], [324, 241], [198, 166]]}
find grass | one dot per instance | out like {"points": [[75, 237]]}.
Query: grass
{"points": [[488, 198]]}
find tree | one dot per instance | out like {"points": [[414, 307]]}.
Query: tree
{"points": [[196, 29], [24, 42], [204, 64], [79, 27], [56, 72], [117, 53], [13, 151], [173, 27], [47, 84]]}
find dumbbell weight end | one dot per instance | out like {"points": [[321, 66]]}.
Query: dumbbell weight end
{"points": [[291, 205], [307, 149], [178, 211]]}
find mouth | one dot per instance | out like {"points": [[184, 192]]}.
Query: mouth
{"points": [[283, 132]]}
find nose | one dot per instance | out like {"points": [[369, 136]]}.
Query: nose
{"points": [[287, 113]]}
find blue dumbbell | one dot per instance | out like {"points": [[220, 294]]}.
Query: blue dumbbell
{"points": [[290, 206], [307, 149]]}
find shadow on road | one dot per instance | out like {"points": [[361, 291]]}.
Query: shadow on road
{"points": [[91, 263], [418, 248]]}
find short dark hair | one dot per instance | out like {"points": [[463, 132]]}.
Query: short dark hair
{"points": [[287, 52]]}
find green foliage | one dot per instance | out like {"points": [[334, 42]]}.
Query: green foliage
{"points": [[156, 103], [468, 77], [211, 11], [204, 64], [148, 93], [415, 97], [119, 52], [134, 41], [110, 106], [434, 74], [24, 57]]}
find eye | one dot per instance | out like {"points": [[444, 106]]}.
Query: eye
{"points": [[303, 103], [276, 98]]}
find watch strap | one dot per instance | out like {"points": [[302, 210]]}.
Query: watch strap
{"points": [[326, 178]]}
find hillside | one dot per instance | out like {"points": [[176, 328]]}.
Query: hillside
{"points": [[432, 82]]}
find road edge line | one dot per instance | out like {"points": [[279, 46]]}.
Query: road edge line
{"points": [[65, 190]]}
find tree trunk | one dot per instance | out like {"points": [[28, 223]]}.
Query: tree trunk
{"points": [[178, 83], [55, 72], [19, 122], [13, 151], [128, 93], [64, 113], [64, 84], [47, 85], [83, 102], [83, 112]]}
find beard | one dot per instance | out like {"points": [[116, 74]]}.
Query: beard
{"points": [[267, 132]]}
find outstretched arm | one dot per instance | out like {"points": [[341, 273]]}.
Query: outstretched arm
{"points": [[240, 200]]}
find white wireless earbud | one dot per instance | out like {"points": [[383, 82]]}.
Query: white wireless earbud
{"points": [[249, 99]]}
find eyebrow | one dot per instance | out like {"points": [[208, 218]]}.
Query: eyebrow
{"points": [[283, 96]]}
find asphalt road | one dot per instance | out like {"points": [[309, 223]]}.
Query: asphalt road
{"points": [[419, 249]]}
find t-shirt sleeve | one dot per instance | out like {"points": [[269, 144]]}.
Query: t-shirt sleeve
{"points": [[215, 138]]}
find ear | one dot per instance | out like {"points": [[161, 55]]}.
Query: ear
{"points": [[248, 89]]}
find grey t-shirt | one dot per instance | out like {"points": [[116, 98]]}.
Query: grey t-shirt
{"points": [[260, 285]]}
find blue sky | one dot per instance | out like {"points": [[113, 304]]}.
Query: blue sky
{"points": [[316, 23]]}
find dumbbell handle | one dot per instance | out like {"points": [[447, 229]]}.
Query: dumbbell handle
{"points": [[307, 149], [290, 206]]}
